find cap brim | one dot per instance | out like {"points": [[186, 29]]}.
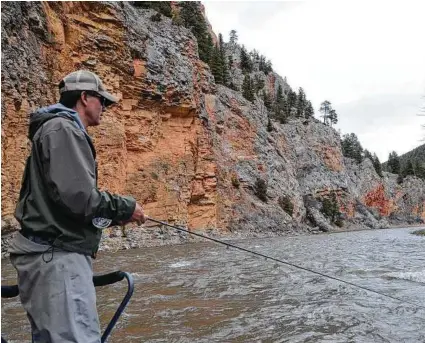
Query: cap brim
{"points": [[109, 97]]}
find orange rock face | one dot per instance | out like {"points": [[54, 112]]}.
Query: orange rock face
{"points": [[377, 199], [156, 151]]}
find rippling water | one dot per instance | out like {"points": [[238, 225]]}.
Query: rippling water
{"points": [[207, 293]]}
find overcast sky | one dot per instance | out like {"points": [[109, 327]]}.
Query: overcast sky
{"points": [[366, 58]]}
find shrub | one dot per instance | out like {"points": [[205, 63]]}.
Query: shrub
{"points": [[330, 208], [156, 17], [260, 189], [339, 222], [235, 181], [286, 204]]}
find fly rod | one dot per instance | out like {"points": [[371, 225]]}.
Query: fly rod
{"points": [[281, 261]]}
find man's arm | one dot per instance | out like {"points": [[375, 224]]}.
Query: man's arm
{"points": [[69, 170]]}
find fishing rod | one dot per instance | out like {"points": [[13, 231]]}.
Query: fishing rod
{"points": [[281, 261]]}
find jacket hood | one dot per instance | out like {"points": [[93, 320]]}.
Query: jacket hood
{"points": [[44, 114]]}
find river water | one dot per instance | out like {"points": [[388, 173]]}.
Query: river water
{"points": [[203, 292]]}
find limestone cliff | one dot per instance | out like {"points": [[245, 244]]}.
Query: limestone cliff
{"points": [[191, 151]]}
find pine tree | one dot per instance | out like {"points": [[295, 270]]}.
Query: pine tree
{"points": [[279, 106], [279, 93], [230, 62], [233, 37], [408, 169], [163, 7], [291, 102], [351, 147], [261, 63], [268, 67], [325, 107], [333, 117], [330, 208], [246, 64], [420, 169], [309, 111], [247, 89], [393, 163], [377, 165], [194, 20], [269, 125], [328, 113], [266, 99], [224, 67], [216, 66], [367, 154], [301, 103]]}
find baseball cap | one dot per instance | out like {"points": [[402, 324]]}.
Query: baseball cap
{"points": [[84, 80]]}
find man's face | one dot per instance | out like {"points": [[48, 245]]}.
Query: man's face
{"points": [[95, 105]]}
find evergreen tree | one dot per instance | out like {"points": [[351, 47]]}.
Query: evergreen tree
{"points": [[230, 62], [216, 66], [393, 163], [377, 165], [301, 103], [408, 169], [194, 20], [330, 208], [269, 125], [268, 67], [266, 99], [246, 65], [260, 189], [351, 147], [224, 67], [177, 19], [279, 106], [247, 88], [309, 111], [420, 169], [233, 37], [163, 7], [325, 107], [291, 102], [279, 93], [367, 154], [258, 84], [254, 56], [261, 63], [333, 117], [328, 113]]}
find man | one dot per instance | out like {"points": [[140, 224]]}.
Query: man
{"points": [[62, 214]]}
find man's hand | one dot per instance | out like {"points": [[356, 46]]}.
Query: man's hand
{"points": [[138, 215]]}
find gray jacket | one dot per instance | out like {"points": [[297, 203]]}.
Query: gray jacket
{"points": [[59, 199]]}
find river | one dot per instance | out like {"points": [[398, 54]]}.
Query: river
{"points": [[203, 292]]}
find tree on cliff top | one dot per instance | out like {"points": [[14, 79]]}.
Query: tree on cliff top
{"points": [[193, 19], [393, 163], [328, 113], [233, 37], [163, 7], [352, 148]]}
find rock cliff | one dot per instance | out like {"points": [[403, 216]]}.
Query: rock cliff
{"points": [[191, 151]]}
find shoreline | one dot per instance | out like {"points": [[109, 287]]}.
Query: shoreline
{"points": [[114, 239]]}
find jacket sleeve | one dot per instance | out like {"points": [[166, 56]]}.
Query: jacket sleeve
{"points": [[69, 171]]}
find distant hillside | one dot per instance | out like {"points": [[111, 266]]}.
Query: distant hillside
{"points": [[417, 154]]}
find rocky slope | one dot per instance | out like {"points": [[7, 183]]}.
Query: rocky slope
{"points": [[190, 150]]}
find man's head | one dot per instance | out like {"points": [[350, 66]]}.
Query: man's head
{"points": [[84, 92]]}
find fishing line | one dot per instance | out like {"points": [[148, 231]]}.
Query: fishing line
{"points": [[283, 262]]}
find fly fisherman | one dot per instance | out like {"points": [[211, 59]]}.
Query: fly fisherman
{"points": [[62, 214]]}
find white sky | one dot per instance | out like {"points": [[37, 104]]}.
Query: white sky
{"points": [[366, 58]]}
